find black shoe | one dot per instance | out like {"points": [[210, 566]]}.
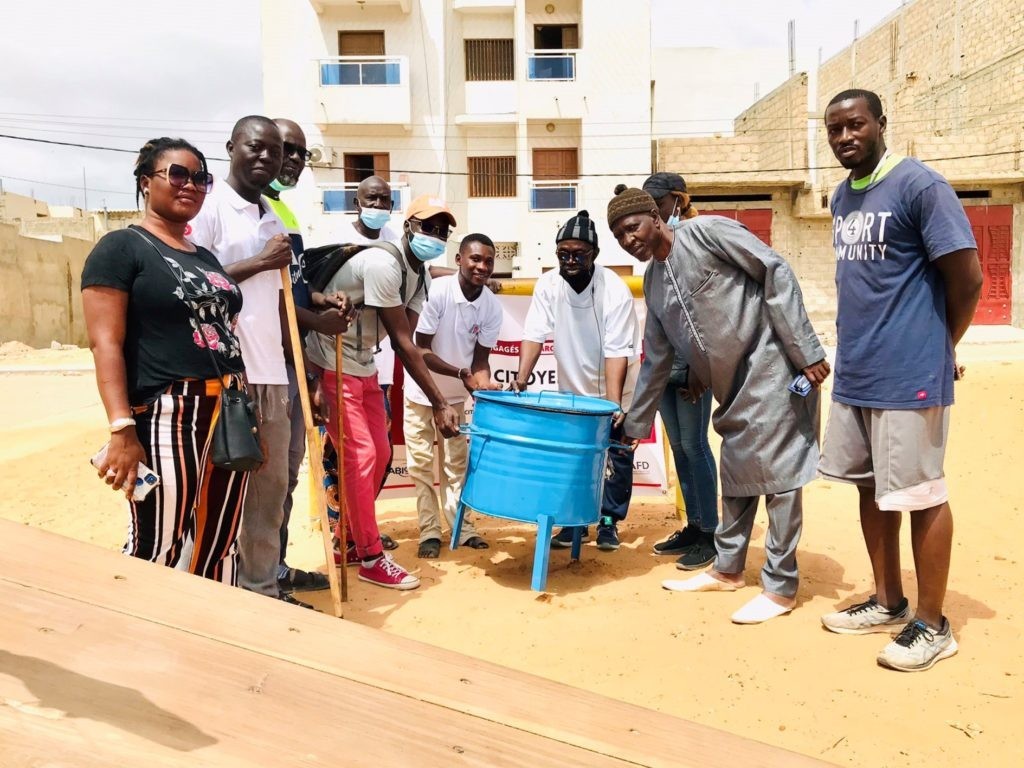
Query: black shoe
{"points": [[286, 597], [698, 555], [607, 535], [678, 542], [298, 579], [563, 539]]}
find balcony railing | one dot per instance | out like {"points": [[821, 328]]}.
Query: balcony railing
{"points": [[367, 90], [553, 195], [361, 70], [551, 65], [341, 198]]}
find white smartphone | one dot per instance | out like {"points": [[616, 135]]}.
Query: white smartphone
{"points": [[145, 479]]}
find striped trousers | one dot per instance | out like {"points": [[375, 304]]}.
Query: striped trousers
{"points": [[190, 520]]}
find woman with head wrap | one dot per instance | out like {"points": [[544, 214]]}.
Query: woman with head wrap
{"points": [[731, 307], [686, 415]]}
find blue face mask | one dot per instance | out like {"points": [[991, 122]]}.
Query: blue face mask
{"points": [[374, 218], [277, 186], [674, 222], [426, 248]]}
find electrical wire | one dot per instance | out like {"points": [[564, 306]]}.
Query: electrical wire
{"points": [[530, 175]]}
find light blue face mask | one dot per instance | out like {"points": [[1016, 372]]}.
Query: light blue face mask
{"points": [[374, 218], [674, 222], [277, 186], [426, 248]]}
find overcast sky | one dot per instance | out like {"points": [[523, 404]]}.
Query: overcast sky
{"points": [[119, 72]]}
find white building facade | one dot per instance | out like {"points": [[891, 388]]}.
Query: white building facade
{"points": [[518, 113]]}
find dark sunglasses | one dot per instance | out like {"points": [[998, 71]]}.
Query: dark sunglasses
{"points": [[567, 256], [179, 176], [434, 230], [297, 149]]}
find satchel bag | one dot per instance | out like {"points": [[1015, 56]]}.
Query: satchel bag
{"points": [[236, 437], [235, 443]]}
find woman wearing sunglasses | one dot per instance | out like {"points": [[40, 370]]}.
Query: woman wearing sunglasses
{"points": [[160, 314]]}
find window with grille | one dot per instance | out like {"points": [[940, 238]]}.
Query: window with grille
{"points": [[492, 176], [489, 60]]}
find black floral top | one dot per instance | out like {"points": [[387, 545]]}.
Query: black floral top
{"points": [[163, 341]]}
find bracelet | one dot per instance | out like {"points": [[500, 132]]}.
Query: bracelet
{"points": [[463, 369], [118, 424]]}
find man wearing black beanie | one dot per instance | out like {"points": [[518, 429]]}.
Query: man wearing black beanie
{"points": [[588, 310]]}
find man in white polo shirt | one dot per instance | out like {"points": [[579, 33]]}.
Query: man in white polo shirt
{"points": [[253, 245], [459, 326], [588, 310]]}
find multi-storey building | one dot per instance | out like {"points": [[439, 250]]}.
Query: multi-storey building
{"points": [[517, 112]]}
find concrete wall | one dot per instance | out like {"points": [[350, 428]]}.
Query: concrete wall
{"points": [[21, 207], [40, 300], [770, 135]]}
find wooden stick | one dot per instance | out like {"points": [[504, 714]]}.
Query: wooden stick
{"points": [[314, 448], [340, 448]]}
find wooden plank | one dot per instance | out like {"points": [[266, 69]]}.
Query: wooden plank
{"points": [[372, 657], [78, 679]]}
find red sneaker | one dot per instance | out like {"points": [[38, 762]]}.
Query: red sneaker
{"points": [[351, 558], [385, 572]]}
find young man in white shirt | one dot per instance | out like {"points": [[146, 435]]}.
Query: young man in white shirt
{"points": [[588, 310], [388, 285], [458, 328]]}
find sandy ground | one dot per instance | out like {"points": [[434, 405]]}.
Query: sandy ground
{"points": [[606, 625]]}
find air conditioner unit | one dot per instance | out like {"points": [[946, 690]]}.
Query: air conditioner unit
{"points": [[321, 157]]}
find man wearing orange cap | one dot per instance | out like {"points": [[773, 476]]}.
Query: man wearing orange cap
{"points": [[388, 286]]}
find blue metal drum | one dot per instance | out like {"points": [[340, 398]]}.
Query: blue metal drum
{"points": [[537, 457], [538, 452]]}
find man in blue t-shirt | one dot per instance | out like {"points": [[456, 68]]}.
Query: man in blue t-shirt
{"points": [[908, 281]]}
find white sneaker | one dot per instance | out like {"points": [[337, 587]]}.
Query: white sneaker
{"points": [[869, 616], [918, 647]]}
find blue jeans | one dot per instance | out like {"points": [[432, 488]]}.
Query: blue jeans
{"points": [[618, 486], [687, 426]]}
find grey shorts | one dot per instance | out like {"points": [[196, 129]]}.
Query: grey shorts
{"points": [[899, 452]]}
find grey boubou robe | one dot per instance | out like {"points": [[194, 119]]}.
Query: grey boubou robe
{"points": [[731, 307]]}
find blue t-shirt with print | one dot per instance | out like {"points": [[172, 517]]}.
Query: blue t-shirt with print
{"points": [[894, 346]]}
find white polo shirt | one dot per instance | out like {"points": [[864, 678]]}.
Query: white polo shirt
{"points": [[233, 229], [587, 328], [457, 325]]}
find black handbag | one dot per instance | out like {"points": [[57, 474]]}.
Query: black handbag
{"points": [[235, 443]]}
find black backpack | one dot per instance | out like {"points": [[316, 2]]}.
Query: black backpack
{"points": [[322, 263]]}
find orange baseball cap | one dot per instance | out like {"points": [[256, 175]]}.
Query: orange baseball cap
{"points": [[425, 206]]}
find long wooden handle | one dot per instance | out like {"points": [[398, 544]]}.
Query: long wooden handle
{"points": [[314, 448], [342, 504]]}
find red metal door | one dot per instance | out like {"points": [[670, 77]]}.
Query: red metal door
{"points": [[993, 228], [757, 220]]}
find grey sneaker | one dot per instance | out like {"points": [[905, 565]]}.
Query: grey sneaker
{"points": [[869, 616], [918, 647]]}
